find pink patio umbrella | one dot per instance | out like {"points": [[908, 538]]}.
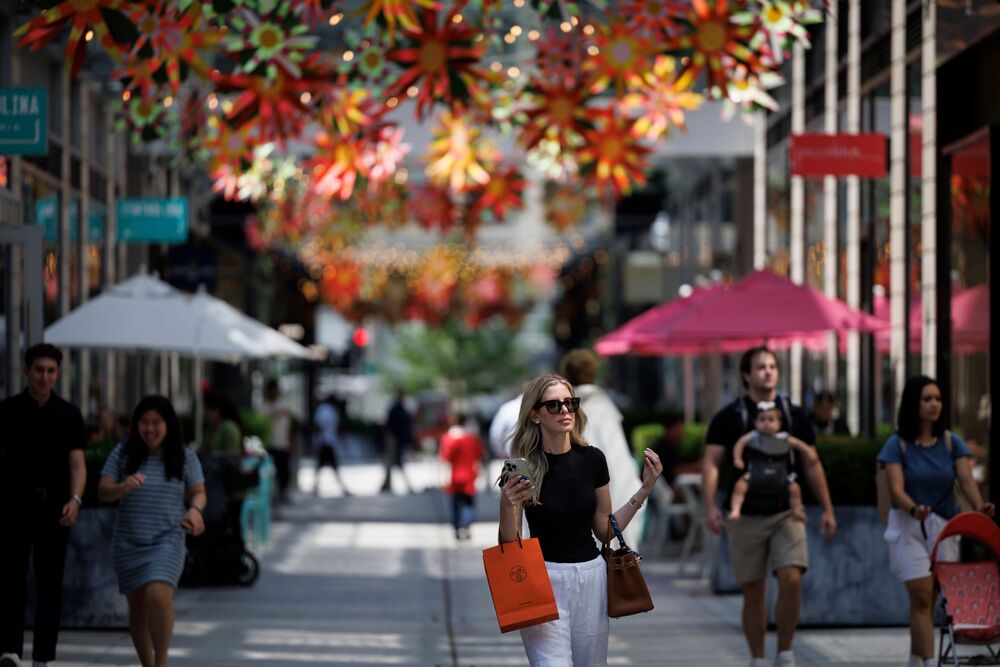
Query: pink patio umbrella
{"points": [[761, 308]]}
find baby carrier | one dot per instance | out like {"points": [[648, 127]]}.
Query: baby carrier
{"points": [[769, 461]]}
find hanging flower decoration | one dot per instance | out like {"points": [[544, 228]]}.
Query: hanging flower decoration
{"points": [[561, 55], [618, 55], [715, 41], [364, 63], [556, 160], [335, 166], [315, 11], [346, 111], [384, 204], [145, 117], [557, 110], [168, 38], [395, 12], [341, 283], [617, 158], [432, 207], [439, 61], [271, 38], [382, 154], [459, 157], [82, 16], [503, 194], [778, 22], [436, 279], [748, 92], [660, 99], [565, 206], [653, 18]]}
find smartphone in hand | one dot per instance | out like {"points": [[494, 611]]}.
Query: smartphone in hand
{"points": [[513, 467]]}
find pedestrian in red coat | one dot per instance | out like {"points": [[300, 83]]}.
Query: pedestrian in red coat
{"points": [[463, 449]]}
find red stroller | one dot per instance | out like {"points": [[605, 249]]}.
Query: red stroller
{"points": [[970, 593]]}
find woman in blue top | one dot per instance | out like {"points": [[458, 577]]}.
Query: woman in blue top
{"points": [[567, 501], [922, 460], [151, 474]]}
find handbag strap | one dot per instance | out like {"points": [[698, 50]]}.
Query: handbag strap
{"points": [[501, 543], [613, 529]]}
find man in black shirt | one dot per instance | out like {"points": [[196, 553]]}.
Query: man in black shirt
{"points": [[822, 419], [756, 539], [42, 477]]}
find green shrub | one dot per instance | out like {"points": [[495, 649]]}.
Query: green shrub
{"points": [[850, 465], [256, 424]]}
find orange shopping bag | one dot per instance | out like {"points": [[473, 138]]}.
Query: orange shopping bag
{"points": [[519, 584]]}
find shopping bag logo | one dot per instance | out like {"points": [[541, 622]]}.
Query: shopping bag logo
{"points": [[519, 585]]}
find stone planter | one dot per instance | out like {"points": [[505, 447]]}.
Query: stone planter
{"points": [[90, 588], [848, 581]]}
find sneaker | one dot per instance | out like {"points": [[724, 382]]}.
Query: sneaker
{"points": [[915, 661], [10, 660], [759, 662], [785, 659]]}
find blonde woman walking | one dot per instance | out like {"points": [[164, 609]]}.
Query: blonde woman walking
{"points": [[567, 502]]}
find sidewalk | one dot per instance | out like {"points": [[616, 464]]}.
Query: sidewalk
{"points": [[379, 580]]}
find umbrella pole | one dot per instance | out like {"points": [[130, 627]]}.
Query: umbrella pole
{"points": [[198, 404], [688, 389]]}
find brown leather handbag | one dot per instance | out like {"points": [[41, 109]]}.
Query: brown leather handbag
{"points": [[627, 591]]}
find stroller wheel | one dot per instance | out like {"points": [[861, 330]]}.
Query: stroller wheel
{"points": [[249, 569]]}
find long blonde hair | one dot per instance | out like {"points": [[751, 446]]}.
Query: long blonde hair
{"points": [[526, 442]]}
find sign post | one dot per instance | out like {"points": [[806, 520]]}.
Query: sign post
{"points": [[865, 155]]}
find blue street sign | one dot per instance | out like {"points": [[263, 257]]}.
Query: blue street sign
{"points": [[24, 121], [47, 215], [153, 220]]}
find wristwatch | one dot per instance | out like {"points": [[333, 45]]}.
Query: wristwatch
{"points": [[201, 510], [78, 499]]}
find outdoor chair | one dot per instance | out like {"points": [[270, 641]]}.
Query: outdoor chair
{"points": [[970, 593]]}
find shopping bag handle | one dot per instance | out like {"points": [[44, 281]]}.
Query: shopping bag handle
{"points": [[501, 542]]}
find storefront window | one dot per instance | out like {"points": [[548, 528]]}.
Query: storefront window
{"points": [[970, 298], [778, 231]]}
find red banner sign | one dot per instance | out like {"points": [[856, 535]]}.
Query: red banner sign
{"points": [[864, 155]]}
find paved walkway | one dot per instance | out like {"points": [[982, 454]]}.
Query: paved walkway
{"points": [[379, 580]]}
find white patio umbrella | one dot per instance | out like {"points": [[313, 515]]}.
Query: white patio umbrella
{"points": [[145, 314]]}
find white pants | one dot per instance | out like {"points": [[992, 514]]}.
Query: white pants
{"points": [[910, 548], [579, 638]]}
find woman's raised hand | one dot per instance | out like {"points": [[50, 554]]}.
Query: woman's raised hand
{"points": [[651, 468], [516, 491], [133, 482]]}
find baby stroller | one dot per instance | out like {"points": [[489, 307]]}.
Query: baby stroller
{"points": [[970, 592], [219, 557]]}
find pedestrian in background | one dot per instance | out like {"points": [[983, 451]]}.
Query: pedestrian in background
{"points": [[225, 427], [463, 449], [567, 500], [161, 492], [402, 437], [922, 460], [604, 431], [42, 478], [280, 444], [763, 540], [822, 416], [327, 432]]}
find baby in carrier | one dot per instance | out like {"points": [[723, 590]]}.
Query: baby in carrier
{"points": [[769, 454]]}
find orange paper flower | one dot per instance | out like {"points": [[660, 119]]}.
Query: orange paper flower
{"points": [[615, 155]]}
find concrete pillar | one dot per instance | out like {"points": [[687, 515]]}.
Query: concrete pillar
{"points": [[928, 190], [63, 303], [82, 238], [797, 241], [853, 215], [830, 114], [898, 193], [759, 190]]}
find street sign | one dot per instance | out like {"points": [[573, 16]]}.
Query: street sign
{"points": [[865, 155], [47, 215], [24, 121], [153, 220]]}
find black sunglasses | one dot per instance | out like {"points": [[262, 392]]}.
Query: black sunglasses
{"points": [[554, 407]]}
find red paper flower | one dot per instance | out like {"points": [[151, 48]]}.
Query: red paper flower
{"points": [[503, 194], [335, 166], [82, 16], [560, 56], [395, 12], [169, 38], [432, 207], [617, 158], [341, 283], [713, 38], [275, 106], [439, 60], [654, 18], [621, 55], [557, 110]]}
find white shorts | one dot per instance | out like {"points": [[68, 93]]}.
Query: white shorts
{"points": [[579, 638], [910, 548]]}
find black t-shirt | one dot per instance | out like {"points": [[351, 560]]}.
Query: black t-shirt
{"points": [[564, 521], [34, 447], [728, 425]]}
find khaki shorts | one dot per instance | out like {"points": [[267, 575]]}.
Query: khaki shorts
{"points": [[753, 540]]}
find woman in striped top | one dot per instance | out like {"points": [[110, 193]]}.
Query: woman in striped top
{"points": [[151, 474]]}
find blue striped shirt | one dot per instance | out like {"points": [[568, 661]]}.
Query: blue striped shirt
{"points": [[156, 507]]}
